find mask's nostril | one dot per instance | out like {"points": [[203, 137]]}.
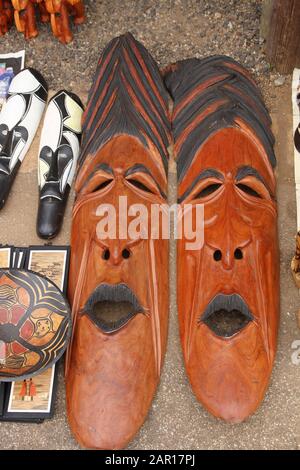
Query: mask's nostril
{"points": [[238, 254], [125, 253], [217, 255], [106, 254]]}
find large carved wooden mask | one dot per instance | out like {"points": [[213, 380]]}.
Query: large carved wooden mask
{"points": [[118, 287], [228, 291]]}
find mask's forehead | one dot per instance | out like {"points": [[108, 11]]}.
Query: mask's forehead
{"points": [[227, 150], [126, 121], [122, 153]]}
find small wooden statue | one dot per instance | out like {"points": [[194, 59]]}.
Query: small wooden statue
{"points": [[24, 12], [295, 264], [59, 16], [6, 16], [25, 17], [295, 267]]}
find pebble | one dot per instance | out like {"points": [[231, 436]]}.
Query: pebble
{"points": [[279, 81]]}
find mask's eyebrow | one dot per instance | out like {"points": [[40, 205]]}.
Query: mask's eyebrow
{"points": [[102, 166], [105, 167], [140, 168], [244, 171], [208, 173]]}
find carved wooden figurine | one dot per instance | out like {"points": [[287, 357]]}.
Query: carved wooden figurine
{"points": [[25, 20], [118, 286], [295, 264], [59, 16], [44, 15], [228, 289], [6, 16], [24, 14]]}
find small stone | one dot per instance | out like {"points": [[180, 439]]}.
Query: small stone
{"points": [[279, 81], [218, 15], [230, 25]]}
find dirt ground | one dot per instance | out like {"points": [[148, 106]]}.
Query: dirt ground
{"points": [[171, 30]]}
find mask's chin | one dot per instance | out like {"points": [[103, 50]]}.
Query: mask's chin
{"points": [[226, 315], [112, 306]]}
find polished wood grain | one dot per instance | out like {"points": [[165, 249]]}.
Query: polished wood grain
{"points": [[111, 377], [224, 149]]}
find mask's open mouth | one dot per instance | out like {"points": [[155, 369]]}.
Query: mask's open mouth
{"points": [[226, 315], [111, 306]]}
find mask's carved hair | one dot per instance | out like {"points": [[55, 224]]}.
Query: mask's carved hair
{"points": [[128, 97], [212, 94]]}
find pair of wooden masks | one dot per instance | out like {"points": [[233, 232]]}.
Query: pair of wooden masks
{"points": [[118, 286]]}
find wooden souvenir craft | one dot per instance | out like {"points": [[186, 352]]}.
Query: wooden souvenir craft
{"points": [[58, 154], [6, 16], [59, 11], [118, 286], [25, 19], [19, 120], [26, 12], [35, 324], [228, 288]]}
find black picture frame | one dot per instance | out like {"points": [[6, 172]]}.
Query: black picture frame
{"points": [[2, 395], [12, 414], [44, 248], [7, 389], [19, 257], [9, 249]]}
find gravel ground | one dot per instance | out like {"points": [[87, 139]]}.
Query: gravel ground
{"points": [[171, 30]]}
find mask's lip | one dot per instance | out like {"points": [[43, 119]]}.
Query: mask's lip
{"points": [[112, 293], [227, 302]]}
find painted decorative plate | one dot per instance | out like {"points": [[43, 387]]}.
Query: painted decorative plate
{"points": [[35, 324]]}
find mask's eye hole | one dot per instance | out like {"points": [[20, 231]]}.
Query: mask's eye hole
{"points": [[17, 134], [139, 185], [102, 185], [4, 132], [248, 190], [99, 181], [210, 189]]}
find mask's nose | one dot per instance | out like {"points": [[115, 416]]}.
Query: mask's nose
{"points": [[227, 256], [116, 251]]}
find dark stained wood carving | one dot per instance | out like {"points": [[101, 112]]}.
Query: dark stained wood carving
{"points": [[228, 290], [118, 287]]}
